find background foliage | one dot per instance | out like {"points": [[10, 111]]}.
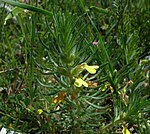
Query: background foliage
{"points": [[41, 50]]}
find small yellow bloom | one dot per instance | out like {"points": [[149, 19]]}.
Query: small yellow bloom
{"points": [[107, 86], [109, 109], [90, 69], [59, 98], [125, 130], [79, 82], [39, 111], [10, 125]]}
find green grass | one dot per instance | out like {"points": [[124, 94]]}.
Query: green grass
{"points": [[43, 53]]}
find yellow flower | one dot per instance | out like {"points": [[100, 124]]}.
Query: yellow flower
{"points": [[105, 87], [79, 82], [90, 69], [125, 130], [39, 111], [59, 98], [10, 125]]}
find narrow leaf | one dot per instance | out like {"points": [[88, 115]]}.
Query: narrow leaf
{"points": [[28, 7]]}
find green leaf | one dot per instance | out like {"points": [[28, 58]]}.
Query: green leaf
{"points": [[44, 85], [15, 11], [100, 10], [60, 81], [28, 7], [96, 106]]}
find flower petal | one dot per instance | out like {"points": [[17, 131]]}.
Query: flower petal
{"points": [[125, 130], [59, 98], [94, 43], [79, 82], [39, 111], [90, 69], [95, 67], [55, 100], [84, 83]]}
